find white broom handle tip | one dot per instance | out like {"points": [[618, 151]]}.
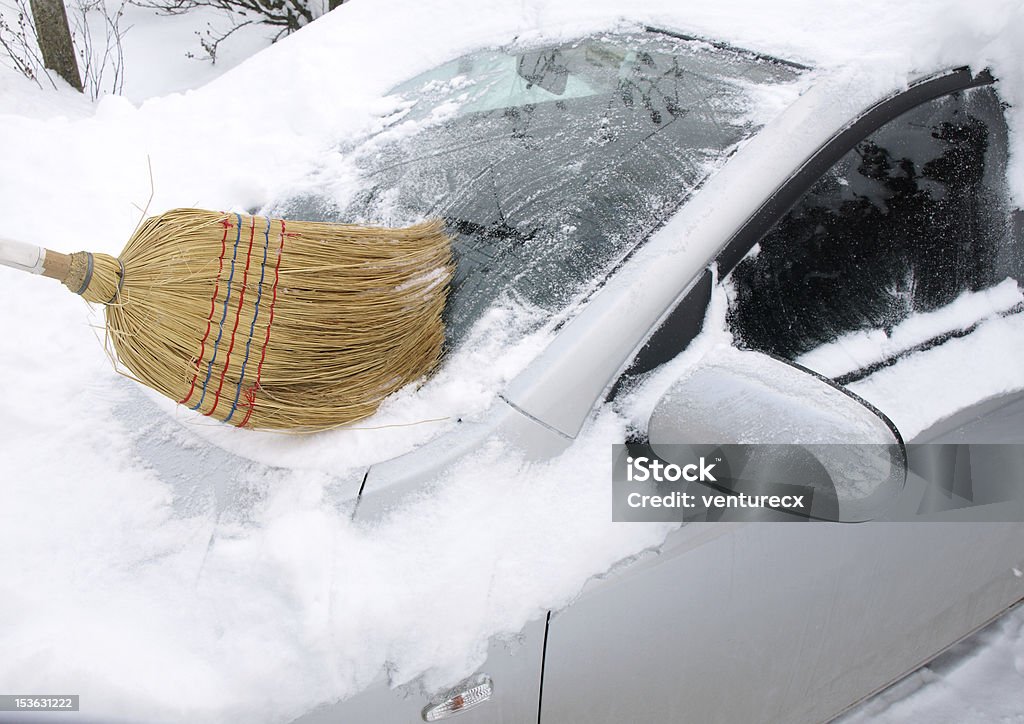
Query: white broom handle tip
{"points": [[22, 256]]}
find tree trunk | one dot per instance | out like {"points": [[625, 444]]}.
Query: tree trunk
{"points": [[54, 36]]}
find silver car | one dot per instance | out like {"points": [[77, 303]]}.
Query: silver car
{"points": [[861, 253]]}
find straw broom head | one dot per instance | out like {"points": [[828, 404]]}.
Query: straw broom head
{"points": [[266, 323]]}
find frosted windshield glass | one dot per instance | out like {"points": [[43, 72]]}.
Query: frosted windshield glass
{"points": [[549, 165]]}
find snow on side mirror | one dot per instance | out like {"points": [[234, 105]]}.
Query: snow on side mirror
{"points": [[773, 427]]}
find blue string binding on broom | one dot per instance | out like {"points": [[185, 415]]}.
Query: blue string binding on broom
{"points": [[220, 330], [252, 327]]}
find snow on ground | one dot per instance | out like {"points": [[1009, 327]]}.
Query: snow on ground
{"points": [[122, 589], [978, 681], [157, 48], [161, 55]]}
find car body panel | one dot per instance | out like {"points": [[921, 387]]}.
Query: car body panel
{"points": [[998, 419], [775, 622]]}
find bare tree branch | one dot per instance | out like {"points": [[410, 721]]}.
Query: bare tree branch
{"points": [[286, 15], [19, 44], [105, 60]]}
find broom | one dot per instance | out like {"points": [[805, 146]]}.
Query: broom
{"points": [[265, 323]]}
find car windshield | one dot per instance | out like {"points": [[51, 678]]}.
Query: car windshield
{"points": [[549, 165]]}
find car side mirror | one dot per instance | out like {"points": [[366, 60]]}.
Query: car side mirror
{"points": [[773, 427]]}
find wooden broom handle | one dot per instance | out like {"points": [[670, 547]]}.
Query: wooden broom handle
{"points": [[34, 259]]}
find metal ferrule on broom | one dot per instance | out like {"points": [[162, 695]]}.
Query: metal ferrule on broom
{"points": [[96, 277]]}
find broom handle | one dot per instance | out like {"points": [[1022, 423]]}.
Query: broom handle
{"points": [[34, 259]]}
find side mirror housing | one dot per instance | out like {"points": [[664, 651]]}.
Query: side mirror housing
{"points": [[774, 426]]}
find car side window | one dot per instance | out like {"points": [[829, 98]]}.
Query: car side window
{"points": [[896, 246]]}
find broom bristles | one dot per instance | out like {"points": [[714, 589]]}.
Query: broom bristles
{"points": [[274, 324]]}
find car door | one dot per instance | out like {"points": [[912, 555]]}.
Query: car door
{"points": [[891, 264]]}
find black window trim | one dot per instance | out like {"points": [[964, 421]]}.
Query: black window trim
{"points": [[786, 197], [678, 329]]}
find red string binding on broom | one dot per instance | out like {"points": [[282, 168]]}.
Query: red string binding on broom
{"points": [[250, 400], [238, 315], [250, 394], [213, 303]]}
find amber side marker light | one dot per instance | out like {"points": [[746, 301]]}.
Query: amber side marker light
{"points": [[466, 696]]}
